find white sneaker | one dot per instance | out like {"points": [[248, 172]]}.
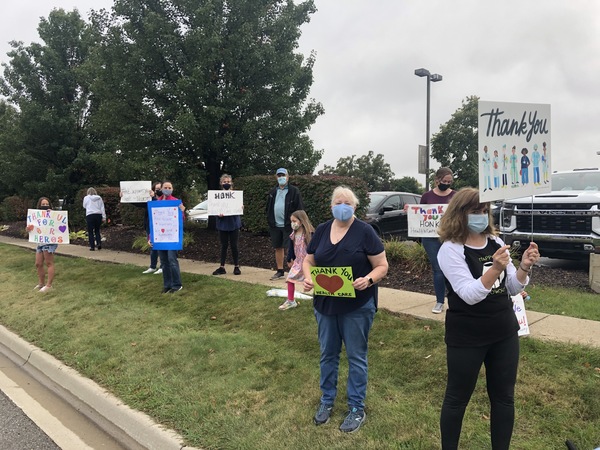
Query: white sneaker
{"points": [[438, 308], [38, 287], [158, 272], [45, 288], [149, 270], [288, 305]]}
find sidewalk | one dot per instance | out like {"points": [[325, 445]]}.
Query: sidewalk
{"points": [[542, 326]]}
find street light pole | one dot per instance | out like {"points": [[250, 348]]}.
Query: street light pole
{"points": [[430, 77]]}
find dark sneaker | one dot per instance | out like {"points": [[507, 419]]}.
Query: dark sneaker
{"points": [[172, 291], [237, 271], [166, 290], [353, 420], [323, 414], [220, 271], [278, 275]]}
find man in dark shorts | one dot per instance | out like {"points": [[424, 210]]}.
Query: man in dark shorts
{"points": [[282, 201]]}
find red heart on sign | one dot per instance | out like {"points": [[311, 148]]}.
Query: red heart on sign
{"points": [[162, 230], [330, 284]]}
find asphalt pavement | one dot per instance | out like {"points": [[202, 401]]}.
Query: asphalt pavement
{"points": [[142, 429]]}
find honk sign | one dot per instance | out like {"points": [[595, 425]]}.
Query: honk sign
{"points": [[49, 227]]}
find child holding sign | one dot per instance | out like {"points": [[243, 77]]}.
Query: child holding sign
{"points": [[299, 240], [44, 253]]}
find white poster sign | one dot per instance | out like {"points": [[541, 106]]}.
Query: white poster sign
{"points": [[228, 203], [424, 220], [519, 308], [514, 150], [49, 227], [135, 191]]}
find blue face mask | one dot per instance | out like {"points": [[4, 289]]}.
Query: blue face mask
{"points": [[167, 192], [282, 181], [477, 223], [342, 212]]}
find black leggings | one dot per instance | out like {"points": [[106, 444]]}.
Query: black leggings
{"points": [[226, 238], [501, 360], [93, 228]]}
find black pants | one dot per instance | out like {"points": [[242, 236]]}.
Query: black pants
{"points": [[229, 237], [501, 360], [93, 228]]}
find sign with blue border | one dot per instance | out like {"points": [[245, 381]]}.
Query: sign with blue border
{"points": [[166, 225]]}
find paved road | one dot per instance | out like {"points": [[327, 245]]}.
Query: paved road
{"points": [[33, 417]]}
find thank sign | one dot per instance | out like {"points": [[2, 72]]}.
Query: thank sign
{"points": [[333, 281], [227, 203], [49, 227], [166, 224], [424, 220]]}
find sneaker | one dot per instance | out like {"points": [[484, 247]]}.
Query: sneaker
{"points": [[438, 308], [278, 275], [166, 290], [288, 305], [220, 271], [45, 288], [237, 271], [323, 414], [172, 291], [38, 287], [353, 420], [158, 272], [149, 270]]}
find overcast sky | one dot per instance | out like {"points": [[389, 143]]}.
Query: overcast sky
{"points": [[524, 51]]}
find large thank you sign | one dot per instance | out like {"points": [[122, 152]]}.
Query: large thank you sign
{"points": [[49, 227], [166, 225]]}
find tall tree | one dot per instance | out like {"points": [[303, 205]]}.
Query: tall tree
{"points": [[406, 184], [455, 145], [371, 168], [45, 83], [192, 88]]}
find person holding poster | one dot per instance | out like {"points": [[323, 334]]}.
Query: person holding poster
{"points": [[441, 193], [155, 193], [94, 216], [345, 241], [44, 254], [168, 258], [229, 233], [481, 326]]}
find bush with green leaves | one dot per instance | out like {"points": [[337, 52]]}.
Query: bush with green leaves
{"points": [[411, 253]]}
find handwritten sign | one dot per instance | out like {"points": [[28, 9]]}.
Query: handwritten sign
{"points": [[333, 281], [514, 150], [424, 220], [166, 224], [228, 203], [135, 191], [519, 308], [49, 227]]}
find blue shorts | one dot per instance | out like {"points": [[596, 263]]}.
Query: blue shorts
{"points": [[50, 248]]}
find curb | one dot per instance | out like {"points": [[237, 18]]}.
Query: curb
{"points": [[130, 427]]}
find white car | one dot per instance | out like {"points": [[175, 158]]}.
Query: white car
{"points": [[199, 213]]}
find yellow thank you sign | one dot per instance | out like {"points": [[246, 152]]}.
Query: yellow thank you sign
{"points": [[333, 281]]}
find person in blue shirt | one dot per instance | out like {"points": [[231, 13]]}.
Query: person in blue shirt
{"points": [[342, 242], [229, 233]]}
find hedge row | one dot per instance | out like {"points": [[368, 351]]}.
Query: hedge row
{"points": [[316, 194]]}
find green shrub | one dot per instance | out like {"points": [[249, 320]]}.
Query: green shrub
{"points": [[316, 196], [410, 253], [14, 208], [112, 205]]}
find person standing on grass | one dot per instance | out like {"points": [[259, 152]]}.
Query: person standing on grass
{"points": [[481, 326], [341, 242], [229, 233], [94, 216], [168, 258], [44, 254], [155, 193], [299, 240], [282, 201], [441, 193]]}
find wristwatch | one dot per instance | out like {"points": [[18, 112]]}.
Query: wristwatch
{"points": [[371, 282]]}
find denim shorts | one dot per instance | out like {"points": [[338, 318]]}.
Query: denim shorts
{"points": [[50, 248]]}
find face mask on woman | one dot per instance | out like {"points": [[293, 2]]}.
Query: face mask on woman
{"points": [[226, 186], [45, 207], [167, 192], [342, 212], [443, 187], [477, 223], [158, 193]]}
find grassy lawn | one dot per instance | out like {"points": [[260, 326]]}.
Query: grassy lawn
{"points": [[225, 368]]}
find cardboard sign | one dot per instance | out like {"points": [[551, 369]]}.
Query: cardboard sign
{"points": [[514, 150], [49, 227], [424, 220], [135, 191], [333, 281], [228, 203], [166, 224], [519, 308]]}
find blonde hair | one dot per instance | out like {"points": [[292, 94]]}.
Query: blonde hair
{"points": [[344, 191], [305, 223], [454, 223], [91, 191], [225, 176]]}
